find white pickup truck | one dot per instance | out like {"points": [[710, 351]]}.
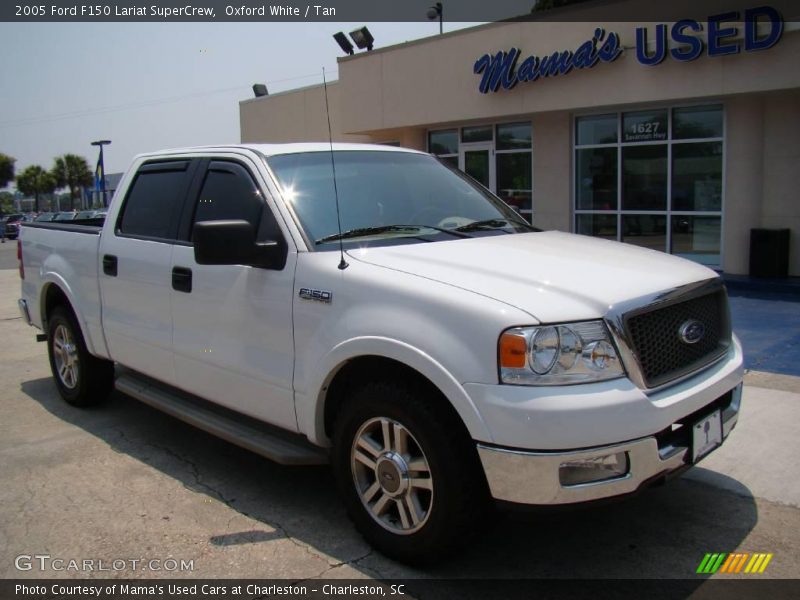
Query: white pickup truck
{"points": [[396, 320]]}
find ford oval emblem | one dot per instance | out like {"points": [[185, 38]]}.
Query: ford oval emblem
{"points": [[692, 331]]}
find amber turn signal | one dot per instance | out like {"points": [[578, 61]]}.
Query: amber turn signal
{"points": [[512, 351]]}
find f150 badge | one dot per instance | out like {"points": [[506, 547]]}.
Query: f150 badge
{"points": [[318, 295]]}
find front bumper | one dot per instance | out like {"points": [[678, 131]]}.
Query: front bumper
{"points": [[527, 477]]}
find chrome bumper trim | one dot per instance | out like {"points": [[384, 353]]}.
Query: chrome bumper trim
{"points": [[23, 309], [533, 477]]}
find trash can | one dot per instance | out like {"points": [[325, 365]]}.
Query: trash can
{"points": [[769, 253]]}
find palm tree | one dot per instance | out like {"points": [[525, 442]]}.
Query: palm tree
{"points": [[6, 169], [34, 180], [72, 171]]}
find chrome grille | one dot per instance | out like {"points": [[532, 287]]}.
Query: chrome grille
{"points": [[654, 334]]}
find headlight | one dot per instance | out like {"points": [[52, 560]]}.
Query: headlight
{"points": [[558, 354]]}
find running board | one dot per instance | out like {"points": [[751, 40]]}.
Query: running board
{"points": [[268, 441]]}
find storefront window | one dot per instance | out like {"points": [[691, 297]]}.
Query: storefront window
{"points": [[668, 163], [644, 177], [697, 122], [644, 126], [481, 133], [514, 166], [450, 160], [443, 142], [596, 188], [598, 129], [696, 238], [514, 175], [604, 226], [498, 156], [697, 176], [512, 136], [476, 165], [648, 231]]}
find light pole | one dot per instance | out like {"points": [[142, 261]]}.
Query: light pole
{"points": [[436, 11], [102, 168]]}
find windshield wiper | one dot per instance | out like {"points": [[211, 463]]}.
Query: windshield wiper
{"points": [[493, 224], [367, 231]]}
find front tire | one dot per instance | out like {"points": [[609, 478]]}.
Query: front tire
{"points": [[81, 379], [407, 471]]}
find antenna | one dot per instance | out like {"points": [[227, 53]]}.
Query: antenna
{"points": [[342, 262]]}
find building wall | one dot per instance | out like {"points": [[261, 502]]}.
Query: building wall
{"points": [[431, 81], [744, 152], [762, 181], [397, 94], [780, 206], [552, 160], [296, 116]]}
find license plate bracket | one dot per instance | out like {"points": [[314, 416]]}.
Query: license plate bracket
{"points": [[706, 435]]}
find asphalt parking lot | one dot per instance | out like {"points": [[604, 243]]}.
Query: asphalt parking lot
{"points": [[123, 481]]}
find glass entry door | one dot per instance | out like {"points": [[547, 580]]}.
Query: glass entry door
{"points": [[476, 161]]}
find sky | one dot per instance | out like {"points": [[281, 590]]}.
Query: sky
{"points": [[148, 86]]}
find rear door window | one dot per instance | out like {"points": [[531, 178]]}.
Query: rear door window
{"points": [[153, 204]]}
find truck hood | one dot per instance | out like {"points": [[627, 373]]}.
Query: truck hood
{"points": [[553, 276]]}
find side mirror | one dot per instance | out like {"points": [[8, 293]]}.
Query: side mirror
{"points": [[233, 242]]}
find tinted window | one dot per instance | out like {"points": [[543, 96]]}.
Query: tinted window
{"points": [[644, 177], [597, 129], [596, 171], [697, 122], [513, 135], [481, 133], [443, 142], [153, 200], [644, 126], [229, 192], [697, 176]]}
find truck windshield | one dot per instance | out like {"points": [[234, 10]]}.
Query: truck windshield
{"points": [[388, 197]]}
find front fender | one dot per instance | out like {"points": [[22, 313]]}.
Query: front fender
{"points": [[311, 406]]}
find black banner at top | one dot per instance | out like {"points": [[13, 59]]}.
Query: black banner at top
{"points": [[376, 10]]}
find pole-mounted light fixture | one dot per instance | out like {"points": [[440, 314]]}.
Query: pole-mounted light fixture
{"points": [[436, 11], [260, 89], [343, 42], [363, 38]]}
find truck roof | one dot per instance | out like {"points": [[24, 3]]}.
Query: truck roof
{"points": [[276, 149]]}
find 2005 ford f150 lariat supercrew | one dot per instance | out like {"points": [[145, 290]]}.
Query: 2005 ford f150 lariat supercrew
{"points": [[396, 320]]}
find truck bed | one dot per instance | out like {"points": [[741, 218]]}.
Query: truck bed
{"points": [[66, 254]]}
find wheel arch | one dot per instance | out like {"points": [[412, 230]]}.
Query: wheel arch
{"points": [[56, 293], [370, 358]]}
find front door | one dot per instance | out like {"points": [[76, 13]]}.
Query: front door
{"points": [[476, 160], [232, 324]]}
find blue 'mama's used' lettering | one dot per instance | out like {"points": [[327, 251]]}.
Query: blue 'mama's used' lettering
{"points": [[501, 69], [720, 37]]}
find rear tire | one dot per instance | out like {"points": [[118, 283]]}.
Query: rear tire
{"points": [[407, 471], [81, 379]]}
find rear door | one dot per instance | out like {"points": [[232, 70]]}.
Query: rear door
{"points": [[136, 264], [232, 324]]}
